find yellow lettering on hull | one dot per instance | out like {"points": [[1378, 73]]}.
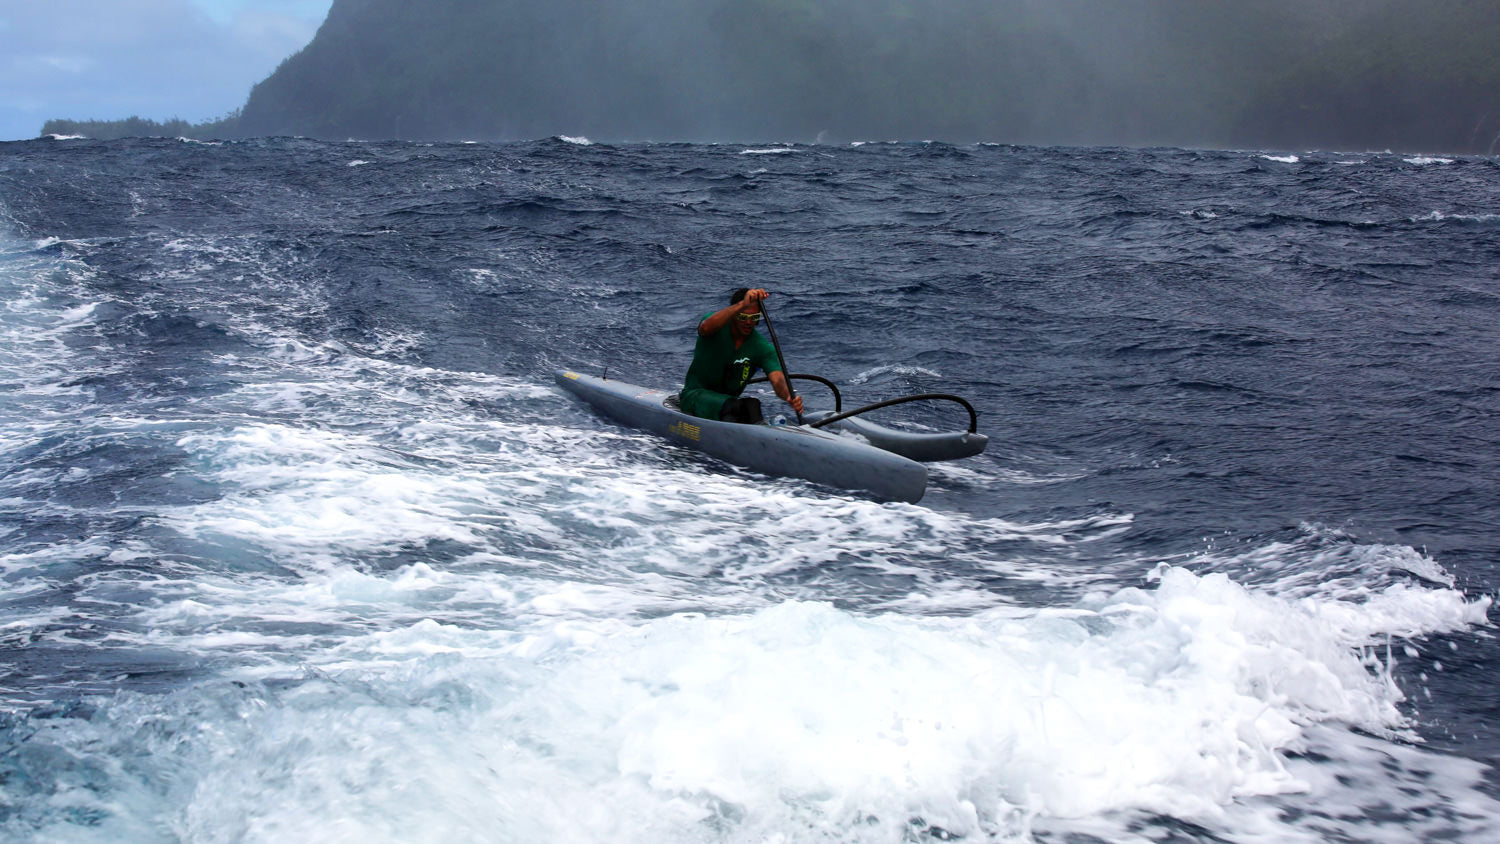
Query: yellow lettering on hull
{"points": [[687, 431]]}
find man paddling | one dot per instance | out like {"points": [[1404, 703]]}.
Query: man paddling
{"points": [[728, 352]]}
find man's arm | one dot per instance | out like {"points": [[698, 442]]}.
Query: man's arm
{"points": [[783, 390], [717, 320]]}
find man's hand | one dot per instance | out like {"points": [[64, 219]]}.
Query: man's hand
{"points": [[753, 297]]}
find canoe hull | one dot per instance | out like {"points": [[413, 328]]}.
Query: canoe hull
{"points": [[790, 450]]}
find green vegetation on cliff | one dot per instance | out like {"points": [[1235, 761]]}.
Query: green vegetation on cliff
{"points": [[139, 127]]}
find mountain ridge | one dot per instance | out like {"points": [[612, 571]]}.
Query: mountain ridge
{"points": [[1372, 74]]}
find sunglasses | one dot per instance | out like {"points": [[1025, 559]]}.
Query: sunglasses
{"points": [[750, 318]]}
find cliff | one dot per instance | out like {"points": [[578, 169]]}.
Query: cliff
{"points": [[1348, 74]]}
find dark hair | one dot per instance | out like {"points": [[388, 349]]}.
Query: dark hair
{"points": [[737, 295]]}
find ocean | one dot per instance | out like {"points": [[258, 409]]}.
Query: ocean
{"points": [[301, 542]]}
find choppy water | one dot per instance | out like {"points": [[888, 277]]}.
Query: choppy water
{"points": [[300, 543]]}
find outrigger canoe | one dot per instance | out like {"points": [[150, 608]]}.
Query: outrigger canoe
{"points": [[880, 461]]}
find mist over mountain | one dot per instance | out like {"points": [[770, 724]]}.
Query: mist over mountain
{"points": [[1346, 74]]}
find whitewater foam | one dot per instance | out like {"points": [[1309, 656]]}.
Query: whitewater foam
{"points": [[1440, 217], [1196, 699]]}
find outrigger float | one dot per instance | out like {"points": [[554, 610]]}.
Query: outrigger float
{"points": [[884, 462]]}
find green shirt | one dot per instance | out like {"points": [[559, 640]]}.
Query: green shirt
{"points": [[719, 370]]}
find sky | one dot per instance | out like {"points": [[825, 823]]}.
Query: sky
{"points": [[159, 59]]}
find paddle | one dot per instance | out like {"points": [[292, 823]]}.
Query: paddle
{"points": [[791, 393]]}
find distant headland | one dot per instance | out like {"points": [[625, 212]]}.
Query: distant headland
{"points": [[1405, 75]]}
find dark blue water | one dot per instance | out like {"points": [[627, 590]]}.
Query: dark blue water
{"points": [[300, 543]]}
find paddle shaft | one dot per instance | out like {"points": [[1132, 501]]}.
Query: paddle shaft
{"points": [[791, 393]]}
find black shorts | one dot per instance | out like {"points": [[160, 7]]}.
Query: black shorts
{"points": [[745, 409]]}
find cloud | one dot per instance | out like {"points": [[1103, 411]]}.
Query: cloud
{"points": [[110, 59]]}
